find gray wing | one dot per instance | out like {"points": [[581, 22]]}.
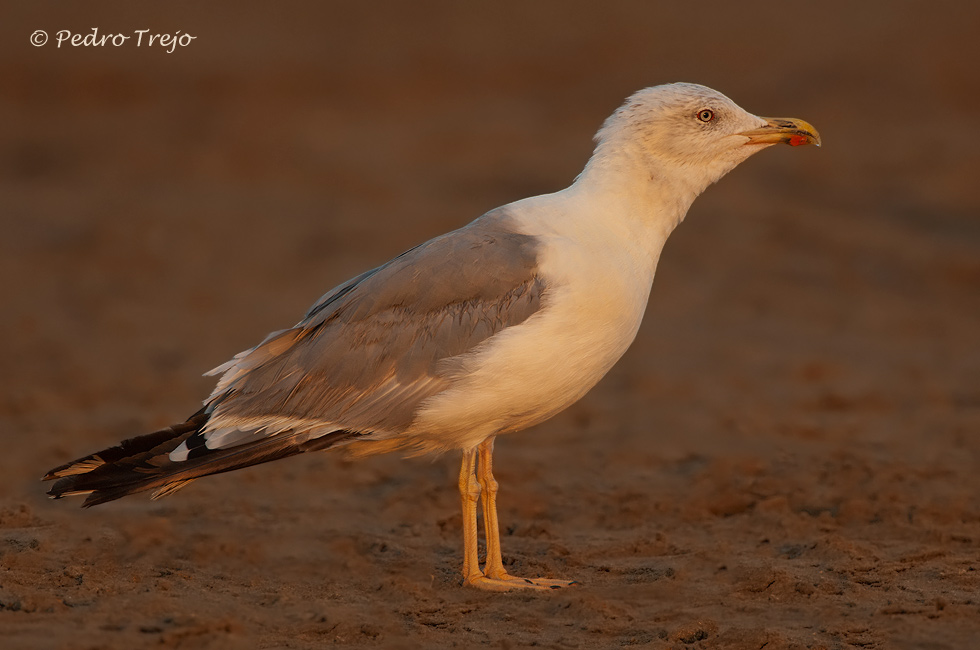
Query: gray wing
{"points": [[369, 351]]}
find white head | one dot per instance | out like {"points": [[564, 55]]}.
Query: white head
{"points": [[688, 134]]}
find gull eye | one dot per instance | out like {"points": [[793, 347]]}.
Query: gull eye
{"points": [[705, 115]]}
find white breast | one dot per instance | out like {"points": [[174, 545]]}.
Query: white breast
{"points": [[598, 285]]}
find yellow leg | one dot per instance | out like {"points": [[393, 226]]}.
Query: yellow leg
{"points": [[469, 492], [494, 577], [495, 563]]}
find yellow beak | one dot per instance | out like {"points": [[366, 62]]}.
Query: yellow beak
{"points": [[791, 130]]}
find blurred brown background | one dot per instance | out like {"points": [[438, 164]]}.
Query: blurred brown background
{"points": [[788, 455]]}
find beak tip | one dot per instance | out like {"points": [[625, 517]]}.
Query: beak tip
{"points": [[788, 130]]}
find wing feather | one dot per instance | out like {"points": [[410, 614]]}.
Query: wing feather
{"points": [[368, 353]]}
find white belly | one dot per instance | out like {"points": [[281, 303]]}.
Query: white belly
{"points": [[525, 374]]}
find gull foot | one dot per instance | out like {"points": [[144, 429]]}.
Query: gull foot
{"points": [[507, 582]]}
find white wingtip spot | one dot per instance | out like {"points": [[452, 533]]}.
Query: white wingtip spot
{"points": [[180, 454]]}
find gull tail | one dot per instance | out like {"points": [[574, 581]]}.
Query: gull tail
{"points": [[143, 463]]}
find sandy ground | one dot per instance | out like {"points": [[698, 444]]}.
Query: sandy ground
{"points": [[788, 457]]}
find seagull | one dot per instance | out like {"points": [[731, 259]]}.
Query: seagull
{"points": [[484, 331]]}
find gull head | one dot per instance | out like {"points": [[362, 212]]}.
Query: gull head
{"points": [[691, 134]]}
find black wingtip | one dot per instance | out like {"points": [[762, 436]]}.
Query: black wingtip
{"points": [[117, 471]]}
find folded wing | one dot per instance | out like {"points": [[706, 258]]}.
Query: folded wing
{"points": [[356, 368]]}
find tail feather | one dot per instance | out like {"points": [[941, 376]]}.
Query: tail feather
{"points": [[142, 463]]}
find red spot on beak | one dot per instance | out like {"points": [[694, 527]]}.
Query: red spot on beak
{"points": [[797, 140]]}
